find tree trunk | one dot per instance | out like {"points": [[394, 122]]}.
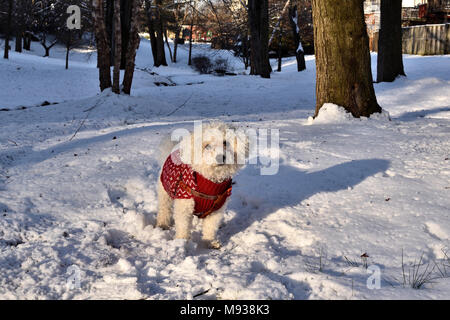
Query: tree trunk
{"points": [[117, 47], [160, 36], [389, 61], [191, 31], [133, 45], [19, 38], [68, 45], [343, 71], [151, 31], [27, 41], [175, 45], [299, 53], [258, 17], [103, 50], [155, 29], [109, 25], [280, 49], [8, 30], [125, 22], [168, 45]]}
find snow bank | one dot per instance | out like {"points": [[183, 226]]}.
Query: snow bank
{"points": [[331, 113]]}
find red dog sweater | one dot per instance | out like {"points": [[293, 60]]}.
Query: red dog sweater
{"points": [[181, 182]]}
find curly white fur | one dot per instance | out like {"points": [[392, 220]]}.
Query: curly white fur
{"points": [[216, 141]]}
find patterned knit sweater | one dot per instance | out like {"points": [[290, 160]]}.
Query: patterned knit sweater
{"points": [[174, 171]]}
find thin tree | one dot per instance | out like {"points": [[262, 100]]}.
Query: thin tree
{"points": [[103, 49], [390, 61], [191, 31], [299, 53], [8, 29], [133, 45], [343, 71], [117, 47], [155, 29], [160, 34]]}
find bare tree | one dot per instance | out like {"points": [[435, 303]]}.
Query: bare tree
{"points": [[133, 45], [117, 47], [390, 61], [258, 17], [103, 49], [8, 29], [299, 53], [155, 28]]}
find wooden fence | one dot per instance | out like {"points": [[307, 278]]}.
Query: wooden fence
{"points": [[431, 39]]}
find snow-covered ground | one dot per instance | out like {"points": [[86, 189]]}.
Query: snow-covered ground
{"points": [[77, 184]]}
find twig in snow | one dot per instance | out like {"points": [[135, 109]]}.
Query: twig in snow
{"points": [[201, 293], [180, 106], [12, 141], [85, 118]]}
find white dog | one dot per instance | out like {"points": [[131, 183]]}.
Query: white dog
{"points": [[195, 179]]}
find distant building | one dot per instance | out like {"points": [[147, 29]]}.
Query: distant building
{"points": [[414, 12], [199, 34]]}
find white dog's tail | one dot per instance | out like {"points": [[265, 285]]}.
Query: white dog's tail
{"points": [[165, 148]]}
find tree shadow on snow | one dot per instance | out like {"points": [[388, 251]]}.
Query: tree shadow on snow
{"points": [[256, 196], [414, 115]]}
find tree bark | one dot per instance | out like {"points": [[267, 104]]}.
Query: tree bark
{"points": [[168, 45], [68, 45], [299, 53], [280, 49], [133, 45], [389, 60], [103, 50], [258, 17], [117, 47], [343, 70], [19, 37], [191, 31], [27, 41], [175, 45], [151, 31], [8, 30], [160, 36], [125, 23], [156, 31]]}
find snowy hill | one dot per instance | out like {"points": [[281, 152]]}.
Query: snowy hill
{"points": [[78, 195]]}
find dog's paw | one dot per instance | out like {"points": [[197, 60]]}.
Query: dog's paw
{"points": [[213, 244]]}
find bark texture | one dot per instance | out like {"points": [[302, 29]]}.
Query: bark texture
{"points": [[299, 53], [8, 29], [258, 17], [390, 60], [103, 49], [156, 31], [117, 47], [133, 45], [343, 71]]}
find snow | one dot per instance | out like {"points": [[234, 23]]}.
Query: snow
{"points": [[82, 206]]}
